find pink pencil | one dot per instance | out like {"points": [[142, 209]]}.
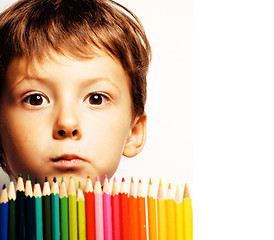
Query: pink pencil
{"points": [[107, 211], [99, 220], [116, 216]]}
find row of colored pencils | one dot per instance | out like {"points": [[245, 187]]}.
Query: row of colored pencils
{"points": [[60, 212]]}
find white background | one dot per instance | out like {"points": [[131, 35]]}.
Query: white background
{"points": [[232, 113]]}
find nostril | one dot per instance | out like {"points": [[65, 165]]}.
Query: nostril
{"points": [[74, 132], [61, 132]]}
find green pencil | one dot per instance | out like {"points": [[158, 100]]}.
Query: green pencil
{"points": [[55, 217], [46, 210], [64, 211], [20, 208], [38, 209], [72, 211], [81, 214], [11, 217], [29, 210]]}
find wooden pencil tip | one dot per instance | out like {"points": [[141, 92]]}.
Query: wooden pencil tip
{"points": [[186, 192], [123, 179], [70, 177], [140, 181], [132, 179], [114, 179], [79, 185], [28, 177], [150, 183], [97, 178], [88, 177], [4, 186], [54, 180], [20, 175], [106, 176], [169, 186], [62, 179], [46, 179], [11, 180]]}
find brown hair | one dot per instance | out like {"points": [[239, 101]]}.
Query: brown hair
{"points": [[77, 28]]}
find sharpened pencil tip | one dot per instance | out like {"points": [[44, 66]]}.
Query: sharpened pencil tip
{"points": [[4, 186], [186, 192], [123, 179], [106, 176], [54, 180], [79, 185], [36, 179], [11, 180], [28, 177], [160, 183], [140, 181], [97, 178], [46, 179], [20, 175], [62, 178], [114, 179], [132, 179], [169, 186], [150, 183]]}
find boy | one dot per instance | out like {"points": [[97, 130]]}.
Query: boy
{"points": [[73, 88]]}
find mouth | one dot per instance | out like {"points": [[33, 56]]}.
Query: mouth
{"points": [[68, 161]]}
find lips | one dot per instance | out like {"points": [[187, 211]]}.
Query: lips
{"points": [[68, 161]]}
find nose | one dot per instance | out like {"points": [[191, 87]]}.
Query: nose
{"points": [[67, 125]]}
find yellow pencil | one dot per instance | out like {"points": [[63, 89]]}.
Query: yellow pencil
{"points": [[81, 214], [170, 215], [161, 213], [179, 215], [188, 219], [72, 211], [151, 204]]}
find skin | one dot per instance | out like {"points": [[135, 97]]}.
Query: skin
{"points": [[65, 117]]}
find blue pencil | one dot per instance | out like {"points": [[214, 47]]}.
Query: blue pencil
{"points": [[4, 214]]}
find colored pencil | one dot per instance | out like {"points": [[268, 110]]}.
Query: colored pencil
{"points": [[63, 211], [90, 214], [170, 204], [124, 210], [116, 216], [11, 217], [55, 210], [161, 213], [179, 215], [133, 217], [99, 219], [38, 209], [141, 211], [151, 212], [46, 210], [20, 208], [4, 207], [187, 210], [107, 210], [72, 210], [30, 210], [81, 214]]}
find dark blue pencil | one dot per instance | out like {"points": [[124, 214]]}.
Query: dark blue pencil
{"points": [[4, 205]]}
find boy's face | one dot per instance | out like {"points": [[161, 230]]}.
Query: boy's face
{"points": [[63, 117]]}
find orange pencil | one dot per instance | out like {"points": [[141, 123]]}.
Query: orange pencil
{"points": [[141, 211], [151, 212], [124, 207], [133, 216], [170, 215], [90, 211], [161, 213]]}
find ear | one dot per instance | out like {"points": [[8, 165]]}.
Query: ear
{"points": [[137, 137]]}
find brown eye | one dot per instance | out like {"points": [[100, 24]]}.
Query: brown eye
{"points": [[36, 100], [96, 99]]}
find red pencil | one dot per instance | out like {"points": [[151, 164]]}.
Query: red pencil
{"points": [[116, 216], [141, 211], [90, 215], [124, 210], [107, 211], [133, 216]]}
